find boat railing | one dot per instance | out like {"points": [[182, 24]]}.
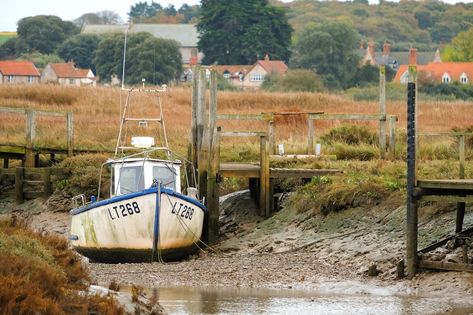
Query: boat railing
{"points": [[78, 201]]}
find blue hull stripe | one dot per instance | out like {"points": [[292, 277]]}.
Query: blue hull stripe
{"points": [[152, 190]]}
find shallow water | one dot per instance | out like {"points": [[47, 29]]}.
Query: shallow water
{"points": [[269, 301]]}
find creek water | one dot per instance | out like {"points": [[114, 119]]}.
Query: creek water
{"points": [[182, 300]]}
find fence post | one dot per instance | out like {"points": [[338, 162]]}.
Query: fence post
{"points": [[70, 134], [19, 179], [264, 177], [310, 136], [213, 188], [392, 136], [382, 111], [461, 205], [30, 137], [272, 145]]}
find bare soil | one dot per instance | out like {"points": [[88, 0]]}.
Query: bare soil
{"points": [[326, 254]]}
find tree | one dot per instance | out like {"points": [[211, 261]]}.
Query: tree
{"points": [[101, 17], [43, 33], [41, 60], [294, 81], [329, 50], [157, 60], [8, 49], [190, 12], [81, 49], [461, 48], [142, 10], [240, 32]]}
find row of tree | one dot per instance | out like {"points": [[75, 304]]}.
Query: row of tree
{"points": [[49, 39]]}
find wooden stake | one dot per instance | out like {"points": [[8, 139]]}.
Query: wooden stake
{"points": [[392, 137], [213, 189], [382, 111], [264, 177], [272, 144], [310, 136], [48, 189], [30, 138], [70, 134], [461, 205]]}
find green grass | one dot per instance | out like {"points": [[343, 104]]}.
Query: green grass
{"points": [[4, 36]]}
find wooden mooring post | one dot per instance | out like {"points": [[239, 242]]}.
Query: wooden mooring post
{"points": [[382, 111], [411, 215]]}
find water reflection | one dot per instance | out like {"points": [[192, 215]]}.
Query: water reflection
{"points": [[266, 301]]}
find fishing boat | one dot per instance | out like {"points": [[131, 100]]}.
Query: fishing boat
{"points": [[148, 217]]}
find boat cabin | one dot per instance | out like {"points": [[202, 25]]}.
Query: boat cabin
{"points": [[132, 175]]}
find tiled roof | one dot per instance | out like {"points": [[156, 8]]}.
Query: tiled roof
{"points": [[185, 34], [438, 69], [232, 69], [67, 70], [273, 66], [19, 68]]}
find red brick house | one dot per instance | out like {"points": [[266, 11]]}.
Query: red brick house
{"points": [[15, 72], [255, 76]]}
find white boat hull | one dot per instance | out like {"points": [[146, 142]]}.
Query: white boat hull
{"points": [[138, 227]]}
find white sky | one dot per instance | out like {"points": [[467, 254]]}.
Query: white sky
{"points": [[13, 10]]}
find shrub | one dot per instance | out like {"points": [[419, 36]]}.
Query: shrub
{"points": [[294, 81], [350, 134]]}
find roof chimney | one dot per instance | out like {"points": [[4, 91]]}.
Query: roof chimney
{"points": [[386, 49], [266, 57], [193, 61], [437, 57], [371, 50], [413, 56]]}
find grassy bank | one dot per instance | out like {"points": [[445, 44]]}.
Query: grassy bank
{"points": [[41, 275]]}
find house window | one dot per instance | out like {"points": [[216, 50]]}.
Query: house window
{"points": [[446, 78], [71, 81], [464, 78], [226, 74], [9, 78], [257, 77], [30, 79]]}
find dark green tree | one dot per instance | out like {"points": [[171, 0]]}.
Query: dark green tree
{"points": [[329, 50], [189, 12], [81, 49], [142, 10], [156, 60], [240, 32], [8, 49], [43, 33]]}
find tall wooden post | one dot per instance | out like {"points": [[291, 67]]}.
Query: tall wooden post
{"points": [[212, 105], [272, 144], [264, 177], [192, 149], [310, 136], [70, 134], [30, 137], [382, 111], [202, 137], [461, 205], [392, 136], [213, 193], [411, 216], [19, 178]]}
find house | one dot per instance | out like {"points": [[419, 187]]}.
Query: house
{"points": [[185, 34], [369, 56], [262, 68], [14, 72], [438, 71], [67, 74]]}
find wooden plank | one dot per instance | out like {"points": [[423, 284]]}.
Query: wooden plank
{"points": [[456, 184], [272, 140], [346, 117], [12, 110], [242, 134], [446, 133], [19, 176], [447, 198], [37, 171], [52, 114], [15, 149], [241, 117], [440, 265], [264, 178]]}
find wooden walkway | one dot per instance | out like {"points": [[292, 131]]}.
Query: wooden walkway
{"points": [[247, 170]]}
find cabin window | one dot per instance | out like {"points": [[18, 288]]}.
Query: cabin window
{"points": [[446, 78], [464, 78], [166, 175], [257, 77], [10, 78], [131, 179]]}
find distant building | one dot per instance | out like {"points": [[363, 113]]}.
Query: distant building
{"points": [[244, 76], [369, 56], [67, 74], [15, 72], [185, 34]]}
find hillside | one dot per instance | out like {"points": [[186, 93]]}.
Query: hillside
{"points": [[425, 24]]}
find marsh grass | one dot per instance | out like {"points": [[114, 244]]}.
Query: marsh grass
{"points": [[41, 275]]}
